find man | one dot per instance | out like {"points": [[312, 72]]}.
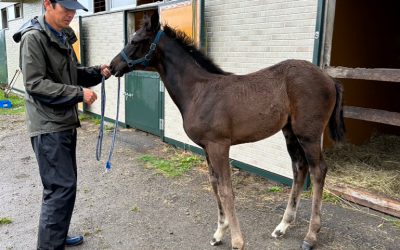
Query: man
{"points": [[53, 80]]}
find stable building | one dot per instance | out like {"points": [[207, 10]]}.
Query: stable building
{"points": [[356, 41]]}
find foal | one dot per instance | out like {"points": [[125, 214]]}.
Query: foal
{"points": [[220, 109]]}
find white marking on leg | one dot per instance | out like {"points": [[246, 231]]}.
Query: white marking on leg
{"points": [[287, 219], [291, 209], [222, 227]]}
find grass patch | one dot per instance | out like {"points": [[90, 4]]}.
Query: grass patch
{"points": [[274, 189], [173, 166], [83, 117], [17, 104], [95, 120], [393, 221], [326, 195], [108, 127], [373, 165], [4, 220]]}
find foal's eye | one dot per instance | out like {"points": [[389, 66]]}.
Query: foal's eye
{"points": [[134, 42]]}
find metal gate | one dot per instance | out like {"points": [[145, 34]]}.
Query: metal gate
{"points": [[3, 59], [143, 101]]}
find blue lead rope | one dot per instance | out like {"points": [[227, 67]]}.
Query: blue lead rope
{"points": [[100, 136]]}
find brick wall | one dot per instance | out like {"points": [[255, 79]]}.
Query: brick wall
{"points": [[102, 40], [245, 36]]}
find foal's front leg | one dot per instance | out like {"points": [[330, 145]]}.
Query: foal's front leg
{"points": [[220, 177], [222, 222]]}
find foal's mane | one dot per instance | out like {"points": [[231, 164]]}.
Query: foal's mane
{"points": [[190, 47]]}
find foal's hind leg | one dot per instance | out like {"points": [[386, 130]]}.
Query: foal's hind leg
{"points": [[218, 156], [300, 168], [318, 169]]}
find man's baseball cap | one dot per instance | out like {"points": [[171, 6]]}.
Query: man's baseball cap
{"points": [[70, 4]]}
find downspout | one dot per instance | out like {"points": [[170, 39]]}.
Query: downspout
{"points": [[202, 25]]}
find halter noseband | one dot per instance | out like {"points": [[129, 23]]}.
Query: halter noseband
{"points": [[146, 59]]}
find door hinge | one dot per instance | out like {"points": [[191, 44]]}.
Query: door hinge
{"points": [[161, 86], [316, 35], [161, 124]]}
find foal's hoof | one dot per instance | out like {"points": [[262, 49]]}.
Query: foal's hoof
{"points": [[214, 242], [306, 246], [277, 234]]}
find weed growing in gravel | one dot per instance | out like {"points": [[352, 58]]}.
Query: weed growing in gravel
{"points": [[4, 220], [173, 166], [135, 209], [393, 221], [95, 120], [83, 117], [274, 189], [326, 195]]}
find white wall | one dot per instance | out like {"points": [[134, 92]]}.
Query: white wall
{"points": [[30, 9], [103, 39]]}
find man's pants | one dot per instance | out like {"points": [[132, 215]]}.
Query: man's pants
{"points": [[56, 156]]}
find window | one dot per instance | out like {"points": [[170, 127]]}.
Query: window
{"points": [[4, 21], [99, 5], [18, 10], [14, 11]]}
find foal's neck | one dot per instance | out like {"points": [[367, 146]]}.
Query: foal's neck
{"points": [[179, 72]]}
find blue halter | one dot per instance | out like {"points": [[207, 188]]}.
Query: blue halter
{"points": [[144, 60]]}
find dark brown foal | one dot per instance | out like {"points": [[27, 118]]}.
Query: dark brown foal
{"points": [[220, 109]]}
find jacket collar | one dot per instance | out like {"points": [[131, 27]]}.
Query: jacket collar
{"points": [[68, 31]]}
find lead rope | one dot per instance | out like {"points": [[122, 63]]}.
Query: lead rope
{"points": [[100, 136]]}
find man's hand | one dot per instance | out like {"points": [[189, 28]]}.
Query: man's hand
{"points": [[89, 96], [104, 70]]}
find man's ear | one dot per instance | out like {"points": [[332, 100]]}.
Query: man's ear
{"points": [[155, 21], [46, 4]]}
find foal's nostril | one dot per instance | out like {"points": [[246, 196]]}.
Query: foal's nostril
{"points": [[111, 68]]}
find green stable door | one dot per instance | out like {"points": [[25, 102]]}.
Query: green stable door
{"points": [[3, 59], [143, 101]]}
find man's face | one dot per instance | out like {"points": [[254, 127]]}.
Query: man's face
{"points": [[58, 17]]}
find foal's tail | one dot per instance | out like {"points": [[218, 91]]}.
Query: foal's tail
{"points": [[337, 130]]}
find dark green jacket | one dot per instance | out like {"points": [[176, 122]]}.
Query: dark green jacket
{"points": [[52, 77]]}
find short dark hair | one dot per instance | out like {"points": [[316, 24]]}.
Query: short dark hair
{"points": [[53, 2]]}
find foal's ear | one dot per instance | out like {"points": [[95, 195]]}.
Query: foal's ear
{"points": [[155, 21]]}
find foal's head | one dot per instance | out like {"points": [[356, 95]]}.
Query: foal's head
{"points": [[138, 46]]}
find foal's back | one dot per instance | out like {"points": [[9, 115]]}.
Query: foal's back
{"points": [[257, 105]]}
